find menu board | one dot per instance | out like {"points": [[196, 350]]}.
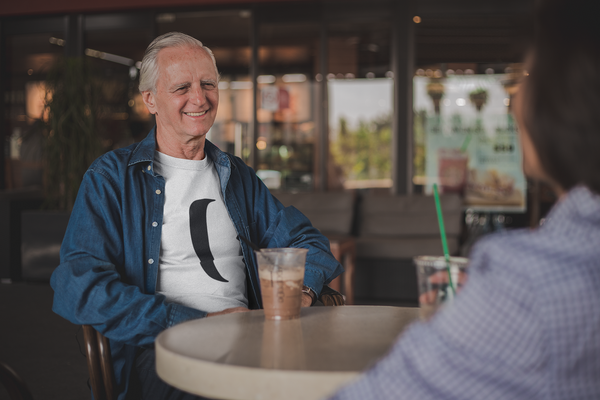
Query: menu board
{"points": [[471, 143]]}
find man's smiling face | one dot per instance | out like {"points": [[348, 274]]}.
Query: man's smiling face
{"points": [[187, 95]]}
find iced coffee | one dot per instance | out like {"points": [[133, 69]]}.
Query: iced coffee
{"points": [[281, 274]]}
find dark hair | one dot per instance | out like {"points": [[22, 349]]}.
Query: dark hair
{"points": [[562, 94]]}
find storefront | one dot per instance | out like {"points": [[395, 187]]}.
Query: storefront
{"points": [[315, 95]]}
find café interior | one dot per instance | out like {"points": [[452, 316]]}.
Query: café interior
{"points": [[351, 111]]}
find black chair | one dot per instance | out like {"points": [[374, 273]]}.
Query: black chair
{"points": [[99, 361], [17, 389]]}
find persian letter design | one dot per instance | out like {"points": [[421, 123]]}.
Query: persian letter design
{"points": [[199, 232]]}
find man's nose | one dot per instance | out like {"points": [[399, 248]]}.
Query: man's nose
{"points": [[198, 96]]}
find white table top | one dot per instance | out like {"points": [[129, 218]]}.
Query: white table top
{"points": [[245, 357]]}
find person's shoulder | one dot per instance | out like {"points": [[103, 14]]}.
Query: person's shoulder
{"points": [[114, 160], [507, 238], [238, 162], [120, 159], [114, 157], [541, 252], [518, 249]]}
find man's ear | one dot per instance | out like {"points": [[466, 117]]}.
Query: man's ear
{"points": [[149, 101]]}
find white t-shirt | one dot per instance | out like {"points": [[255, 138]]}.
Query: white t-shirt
{"points": [[201, 263]]}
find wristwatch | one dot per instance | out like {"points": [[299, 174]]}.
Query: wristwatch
{"points": [[311, 293]]}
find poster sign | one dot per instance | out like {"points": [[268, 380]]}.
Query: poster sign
{"points": [[471, 142], [269, 98], [273, 98]]}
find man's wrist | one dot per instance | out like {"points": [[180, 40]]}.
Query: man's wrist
{"points": [[311, 293]]}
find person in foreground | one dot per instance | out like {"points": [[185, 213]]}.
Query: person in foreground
{"points": [[527, 323], [153, 236]]}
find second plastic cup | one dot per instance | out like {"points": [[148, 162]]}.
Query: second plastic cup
{"points": [[434, 288], [281, 274]]}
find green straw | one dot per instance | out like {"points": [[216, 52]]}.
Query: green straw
{"points": [[438, 207], [463, 148]]}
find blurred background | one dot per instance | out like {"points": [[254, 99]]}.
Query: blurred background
{"points": [[317, 94]]}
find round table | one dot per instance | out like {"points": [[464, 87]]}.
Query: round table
{"points": [[245, 357]]}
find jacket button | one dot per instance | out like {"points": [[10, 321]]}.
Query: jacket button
{"points": [[158, 191], [150, 261], [155, 224]]}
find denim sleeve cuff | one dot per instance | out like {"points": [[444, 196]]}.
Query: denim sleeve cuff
{"points": [[178, 314], [314, 281]]}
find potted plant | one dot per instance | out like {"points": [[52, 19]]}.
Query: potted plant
{"points": [[478, 97], [435, 90], [71, 143]]}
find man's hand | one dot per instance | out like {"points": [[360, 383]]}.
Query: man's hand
{"points": [[228, 311], [306, 300]]}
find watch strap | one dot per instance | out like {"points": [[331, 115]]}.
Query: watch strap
{"points": [[311, 293]]}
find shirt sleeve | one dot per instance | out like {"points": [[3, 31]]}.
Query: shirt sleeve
{"points": [[291, 228], [488, 344], [91, 285], [279, 226]]}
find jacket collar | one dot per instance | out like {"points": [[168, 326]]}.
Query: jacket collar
{"points": [[144, 152]]}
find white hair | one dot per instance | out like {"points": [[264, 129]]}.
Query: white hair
{"points": [[149, 68]]}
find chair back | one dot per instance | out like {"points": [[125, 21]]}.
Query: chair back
{"points": [[329, 212], [99, 361], [406, 226], [412, 215], [16, 388]]}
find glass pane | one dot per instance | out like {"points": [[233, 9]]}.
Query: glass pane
{"points": [[29, 58], [115, 56], [360, 90], [231, 130], [287, 100], [226, 33], [360, 126]]}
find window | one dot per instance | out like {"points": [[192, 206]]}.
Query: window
{"points": [[287, 102], [360, 90]]}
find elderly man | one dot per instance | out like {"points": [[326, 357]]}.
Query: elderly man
{"points": [[153, 237]]}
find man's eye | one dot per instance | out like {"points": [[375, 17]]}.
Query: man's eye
{"points": [[209, 85]]}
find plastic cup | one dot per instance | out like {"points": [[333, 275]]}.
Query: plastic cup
{"points": [[281, 274], [432, 276]]}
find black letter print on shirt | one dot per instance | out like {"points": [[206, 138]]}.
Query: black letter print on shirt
{"points": [[199, 232]]}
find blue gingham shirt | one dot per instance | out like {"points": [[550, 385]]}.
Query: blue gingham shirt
{"points": [[526, 325]]}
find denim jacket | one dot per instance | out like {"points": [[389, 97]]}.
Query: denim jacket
{"points": [[109, 256]]}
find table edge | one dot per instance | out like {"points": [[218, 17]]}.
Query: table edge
{"points": [[189, 374]]}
